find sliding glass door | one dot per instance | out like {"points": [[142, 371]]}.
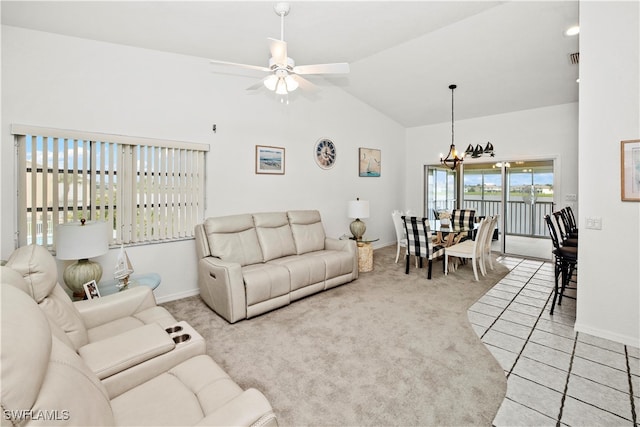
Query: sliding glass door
{"points": [[521, 192], [440, 189], [528, 199]]}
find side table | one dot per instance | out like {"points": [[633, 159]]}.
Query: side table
{"points": [[108, 287], [365, 254]]}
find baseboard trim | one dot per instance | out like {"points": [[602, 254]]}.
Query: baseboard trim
{"points": [[179, 295], [601, 333]]}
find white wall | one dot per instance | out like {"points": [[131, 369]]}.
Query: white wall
{"points": [[542, 133], [609, 259], [71, 83]]}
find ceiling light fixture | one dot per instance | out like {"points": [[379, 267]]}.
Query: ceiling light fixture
{"points": [[452, 160]]}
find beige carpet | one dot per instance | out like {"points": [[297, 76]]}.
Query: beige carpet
{"points": [[386, 350]]}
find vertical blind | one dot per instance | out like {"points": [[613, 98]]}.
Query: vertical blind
{"points": [[149, 190]]}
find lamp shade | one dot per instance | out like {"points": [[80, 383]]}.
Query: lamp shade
{"points": [[76, 240], [358, 209]]}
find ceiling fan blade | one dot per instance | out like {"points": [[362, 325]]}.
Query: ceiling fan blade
{"points": [[234, 64], [278, 50], [304, 84], [337, 68], [257, 85]]}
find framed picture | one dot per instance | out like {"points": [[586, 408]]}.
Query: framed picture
{"points": [[370, 159], [630, 170], [269, 160], [91, 290]]}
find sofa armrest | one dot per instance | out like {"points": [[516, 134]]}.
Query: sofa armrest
{"points": [[333, 244], [346, 245], [98, 311], [112, 355], [222, 288], [250, 408]]}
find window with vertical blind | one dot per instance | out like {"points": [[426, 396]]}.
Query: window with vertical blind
{"points": [[150, 190]]}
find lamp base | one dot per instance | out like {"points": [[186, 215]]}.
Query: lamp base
{"points": [[357, 228], [79, 273]]}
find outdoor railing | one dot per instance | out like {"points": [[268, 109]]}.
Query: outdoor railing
{"points": [[523, 219]]}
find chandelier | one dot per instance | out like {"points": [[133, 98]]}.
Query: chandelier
{"points": [[453, 159]]}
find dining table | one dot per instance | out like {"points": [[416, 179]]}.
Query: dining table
{"points": [[448, 234]]}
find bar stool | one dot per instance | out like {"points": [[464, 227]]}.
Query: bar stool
{"points": [[566, 261]]}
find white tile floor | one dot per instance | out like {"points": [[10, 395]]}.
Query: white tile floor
{"points": [[555, 376]]}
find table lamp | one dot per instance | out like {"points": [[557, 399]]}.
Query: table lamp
{"points": [[358, 209], [81, 241]]}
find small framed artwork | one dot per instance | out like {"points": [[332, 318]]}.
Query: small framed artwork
{"points": [[370, 162], [91, 290], [269, 160], [630, 170]]}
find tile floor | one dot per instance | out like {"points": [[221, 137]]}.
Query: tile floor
{"points": [[555, 376]]}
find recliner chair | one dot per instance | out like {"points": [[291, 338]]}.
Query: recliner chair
{"points": [[44, 382], [121, 337]]}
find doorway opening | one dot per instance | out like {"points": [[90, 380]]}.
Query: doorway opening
{"points": [[520, 191]]}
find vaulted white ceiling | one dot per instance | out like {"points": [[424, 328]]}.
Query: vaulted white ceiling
{"points": [[504, 56]]}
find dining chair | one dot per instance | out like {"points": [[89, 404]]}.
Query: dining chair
{"points": [[420, 243], [565, 263], [469, 249], [401, 238], [488, 239], [463, 218]]}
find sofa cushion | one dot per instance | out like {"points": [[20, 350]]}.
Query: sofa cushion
{"points": [[307, 229], [186, 394], [304, 270], [233, 238], [265, 281], [274, 235]]}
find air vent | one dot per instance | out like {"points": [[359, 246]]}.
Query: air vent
{"points": [[574, 58]]}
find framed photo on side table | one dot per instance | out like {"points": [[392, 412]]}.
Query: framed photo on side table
{"points": [[269, 160], [630, 170], [91, 290]]}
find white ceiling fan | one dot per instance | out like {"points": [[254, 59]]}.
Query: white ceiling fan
{"points": [[283, 75]]}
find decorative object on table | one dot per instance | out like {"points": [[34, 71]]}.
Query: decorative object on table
{"points": [[123, 269], [91, 290], [453, 159], [370, 162], [325, 153], [283, 74], [444, 217], [270, 160], [630, 170], [358, 209], [81, 241]]}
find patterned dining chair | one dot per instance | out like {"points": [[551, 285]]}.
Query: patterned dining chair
{"points": [[463, 218], [419, 242]]}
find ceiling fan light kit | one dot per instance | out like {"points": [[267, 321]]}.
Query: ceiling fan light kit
{"points": [[284, 77], [453, 159]]}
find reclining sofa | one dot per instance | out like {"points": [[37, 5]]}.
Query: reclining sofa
{"points": [[116, 360], [252, 263]]}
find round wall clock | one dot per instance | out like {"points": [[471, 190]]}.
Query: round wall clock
{"points": [[325, 153]]}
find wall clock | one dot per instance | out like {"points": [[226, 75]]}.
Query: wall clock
{"points": [[325, 153]]}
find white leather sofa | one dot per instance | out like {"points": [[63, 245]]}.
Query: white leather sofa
{"points": [[44, 382], [253, 263], [136, 351]]}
